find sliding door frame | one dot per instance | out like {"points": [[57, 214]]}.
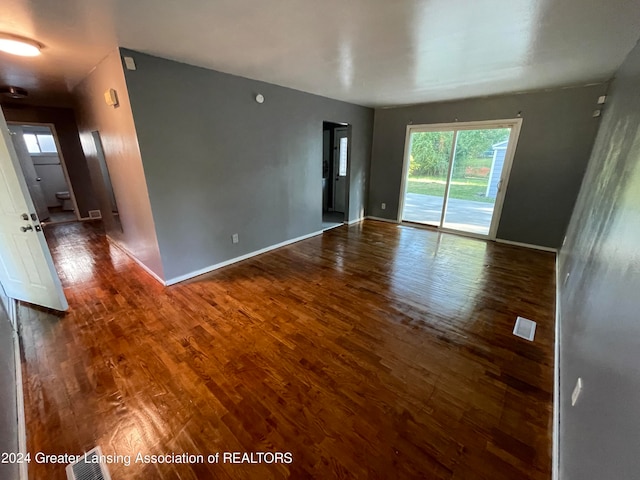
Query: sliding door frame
{"points": [[514, 124]]}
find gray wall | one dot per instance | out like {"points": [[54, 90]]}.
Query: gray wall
{"points": [[219, 163], [554, 146], [65, 124], [8, 407], [135, 230], [600, 302]]}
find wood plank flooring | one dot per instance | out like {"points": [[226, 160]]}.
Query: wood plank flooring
{"points": [[372, 351]]}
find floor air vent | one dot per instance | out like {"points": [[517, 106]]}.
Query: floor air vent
{"points": [[95, 214], [88, 467], [525, 329]]}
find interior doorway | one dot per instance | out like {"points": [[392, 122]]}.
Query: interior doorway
{"points": [[45, 172], [335, 173], [455, 175]]}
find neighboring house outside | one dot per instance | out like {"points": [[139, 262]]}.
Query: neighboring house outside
{"points": [[499, 152]]}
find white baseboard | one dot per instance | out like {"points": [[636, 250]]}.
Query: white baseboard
{"points": [[380, 219], [357, 220], [22, 424], [555, 450], [117, 244], [211, 268], [12, 312], [337, 225], [527, 245]]}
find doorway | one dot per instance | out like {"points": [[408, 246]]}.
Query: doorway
{"points": [[45, 172], [455, 175], [335, 173]]}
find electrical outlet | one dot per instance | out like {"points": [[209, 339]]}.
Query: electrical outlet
{"points": [[384, 206], [576, 392], [234, 238]]}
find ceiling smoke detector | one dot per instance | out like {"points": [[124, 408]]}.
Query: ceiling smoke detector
{"points": [[14, 92]]}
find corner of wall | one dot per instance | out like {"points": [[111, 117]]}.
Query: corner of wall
{"points": [[117, 131]]}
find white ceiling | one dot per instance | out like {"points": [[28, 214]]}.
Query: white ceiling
{"points": [[370, 52]]}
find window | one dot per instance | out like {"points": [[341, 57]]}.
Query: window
{"points": [[40, 143], [342, 169], [32, 143]]}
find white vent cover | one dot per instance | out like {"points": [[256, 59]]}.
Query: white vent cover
{"points": [[525, 329], [87, 467], [95, 214]]}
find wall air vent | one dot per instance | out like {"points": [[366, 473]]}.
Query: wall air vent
{"points": [[95, 214], [88, 468], [525, 329]]}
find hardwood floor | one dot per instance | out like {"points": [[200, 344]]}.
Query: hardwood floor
{"points": [[373, 351]]}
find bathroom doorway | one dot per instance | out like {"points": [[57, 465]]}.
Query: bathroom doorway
{"points": [[335, 173], [45, 172]]}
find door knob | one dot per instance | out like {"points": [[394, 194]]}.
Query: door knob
{"points": [[25, 216], [27, 228], [38, 179]]}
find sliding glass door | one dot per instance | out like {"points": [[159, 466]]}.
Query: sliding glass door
{"points": [[455, 174], [427, 176]]}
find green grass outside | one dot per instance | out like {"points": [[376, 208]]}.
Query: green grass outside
{"points": [[461, 188]]}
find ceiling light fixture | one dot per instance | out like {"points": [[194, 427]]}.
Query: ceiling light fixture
{"points": [[21, 46], [14, 92]]}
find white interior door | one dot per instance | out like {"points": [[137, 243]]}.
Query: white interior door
{"points": [[26, 268], [340, 165], [29, 171]]}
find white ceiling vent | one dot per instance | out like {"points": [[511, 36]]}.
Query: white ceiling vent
{"points": [[88, 468], [525, 329]]}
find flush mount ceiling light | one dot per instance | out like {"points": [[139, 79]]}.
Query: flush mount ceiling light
{"points": [[21, 46]]}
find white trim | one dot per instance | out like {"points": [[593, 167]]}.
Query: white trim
{"points": [[117, 244], [22, 424], [405, 173], [504, 176], [555, 449], [331, 227], [12, 313], [357, 220], [473, 125], [380, 219], [211, 268], [527, 245]]}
